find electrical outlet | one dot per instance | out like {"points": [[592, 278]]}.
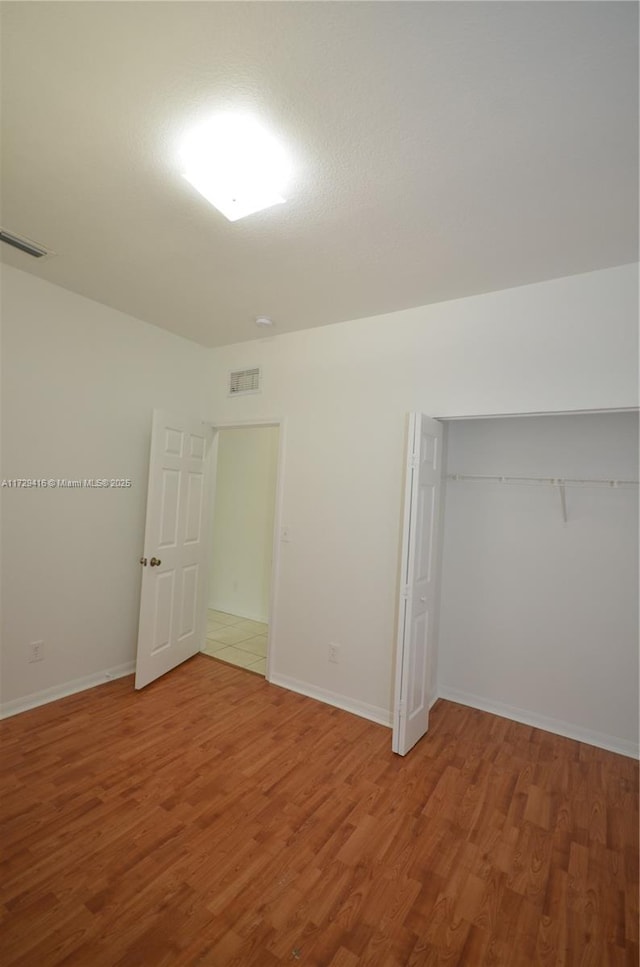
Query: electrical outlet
{"points": [[334, 652], [35, 651]]}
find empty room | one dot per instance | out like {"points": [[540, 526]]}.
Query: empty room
{"points": [[319, 503]]}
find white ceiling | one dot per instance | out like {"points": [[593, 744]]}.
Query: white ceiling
{"points": [[440, 150]]}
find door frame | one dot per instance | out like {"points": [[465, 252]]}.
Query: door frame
{"points": [[280, 422]]}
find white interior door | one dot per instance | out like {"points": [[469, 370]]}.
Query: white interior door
{"points": [[417, 624], [175, 557]]}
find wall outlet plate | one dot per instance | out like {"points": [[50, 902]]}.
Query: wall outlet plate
{"points": [[35, 651]]}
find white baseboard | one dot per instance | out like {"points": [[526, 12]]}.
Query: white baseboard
{"points": [[247, 617], [374, 713], [600, 739], [61, 691]]}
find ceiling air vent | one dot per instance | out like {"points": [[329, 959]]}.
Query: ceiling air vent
{"points": [[244, 381], [24, 244]]}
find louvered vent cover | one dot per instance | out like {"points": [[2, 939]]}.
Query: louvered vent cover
{"points": [[244, 381], [24, 244]]}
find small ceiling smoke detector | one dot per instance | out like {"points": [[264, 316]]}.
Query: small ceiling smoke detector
{"points": [[264, 322]]}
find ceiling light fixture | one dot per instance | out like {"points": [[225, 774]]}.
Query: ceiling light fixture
{"points": [[264, 322], [236, 165]]}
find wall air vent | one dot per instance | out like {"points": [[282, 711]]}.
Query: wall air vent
{"points": [[244, 381], [24, 244]]}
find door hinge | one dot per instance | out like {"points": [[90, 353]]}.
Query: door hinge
{"points": [[413, 461], [402, 710], [404, 593]]}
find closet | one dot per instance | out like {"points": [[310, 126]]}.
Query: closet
{"points": [[539, 580]]}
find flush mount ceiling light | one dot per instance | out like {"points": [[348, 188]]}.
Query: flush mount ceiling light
{"points": [[237, 165], [264, 322]]}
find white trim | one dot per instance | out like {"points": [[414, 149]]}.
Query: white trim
{"points": [[600, 739], [35, 699], [374, 713], [277, 547], [263, 619], [507, 416], [231, 424], [281, 423]]}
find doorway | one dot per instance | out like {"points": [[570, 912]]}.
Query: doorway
{"points": [[241, 569]]}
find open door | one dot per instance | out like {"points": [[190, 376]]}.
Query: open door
{"points": [[418, 582], [172, 600]]}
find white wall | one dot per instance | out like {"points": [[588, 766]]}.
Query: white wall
{"points": [[79, 384], [240, 575], [80, 381], [539, 618], [345, 391]]}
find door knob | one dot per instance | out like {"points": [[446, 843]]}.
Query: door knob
{"points": [[155, 561]]}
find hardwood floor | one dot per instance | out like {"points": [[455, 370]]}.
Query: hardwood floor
{"points": [[216, 820]]}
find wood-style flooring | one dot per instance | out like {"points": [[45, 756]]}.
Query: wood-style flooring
{"points": [[216, 820]]}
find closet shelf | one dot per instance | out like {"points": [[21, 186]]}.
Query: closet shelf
{"points": [[560, 482], [551, 481]]}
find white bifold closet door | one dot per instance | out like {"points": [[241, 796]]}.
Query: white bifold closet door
{"points": [[417, 624], [175, 556]]}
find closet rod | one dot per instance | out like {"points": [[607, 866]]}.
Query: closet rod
{"points": [[552, 481]]}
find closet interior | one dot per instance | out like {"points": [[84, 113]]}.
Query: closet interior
{"points": [[539, 594]]}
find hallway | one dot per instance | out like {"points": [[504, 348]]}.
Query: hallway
{"points": [[237, 640]]}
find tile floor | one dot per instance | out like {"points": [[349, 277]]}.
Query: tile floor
{"points": [[237, 640]]}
